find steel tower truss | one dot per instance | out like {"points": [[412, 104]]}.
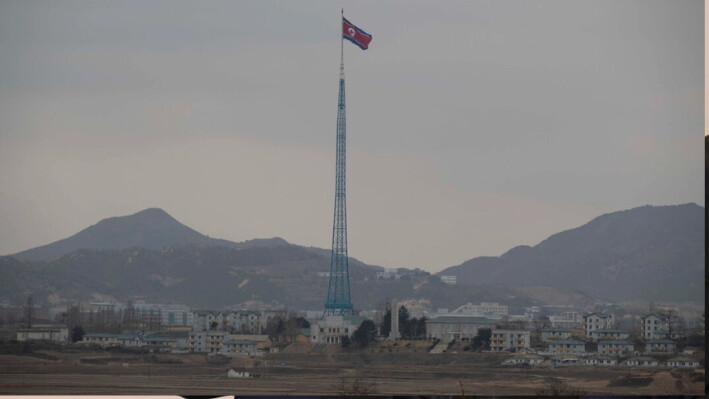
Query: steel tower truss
{"points": [[338, 292]]}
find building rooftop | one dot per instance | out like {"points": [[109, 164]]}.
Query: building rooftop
{"points": [[461, 320], [556, 329], [658, 315], [601, 315], [615, 342], [660, 341], [567, 341], [608, 330]]}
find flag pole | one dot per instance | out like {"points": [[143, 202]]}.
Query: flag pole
{"points": [[342, 45]]}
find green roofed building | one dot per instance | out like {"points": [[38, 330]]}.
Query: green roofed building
{"points": [[452, 327]]}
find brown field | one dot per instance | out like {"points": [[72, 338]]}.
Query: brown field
{"points": [[323, 373]]}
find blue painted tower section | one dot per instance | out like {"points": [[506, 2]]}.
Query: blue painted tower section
{"points": [[338, 292]]}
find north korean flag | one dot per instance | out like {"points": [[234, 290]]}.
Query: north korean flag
{"points": [[355, 34]]}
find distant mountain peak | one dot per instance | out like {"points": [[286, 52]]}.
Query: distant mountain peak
{"points": [[150, 228]]}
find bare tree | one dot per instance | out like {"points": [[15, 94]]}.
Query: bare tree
{"points": [[354, 386], [673, 321], [28, 312], [557, 387]]}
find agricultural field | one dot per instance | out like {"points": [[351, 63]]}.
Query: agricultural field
{"points": [[71, 372]]}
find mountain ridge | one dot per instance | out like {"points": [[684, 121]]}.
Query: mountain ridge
{"points": [[150, 228], [618, 255]]}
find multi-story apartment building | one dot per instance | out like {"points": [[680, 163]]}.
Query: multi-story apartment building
{"points": [[615, 347], [567, 346], [655, 326], [597, 321], [660, 346], [555, 333], [608, 333], [501, 340]]}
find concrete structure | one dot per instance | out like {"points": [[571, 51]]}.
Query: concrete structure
{"points": [[640, 362], [615, 347], [600, 361], [660, 346], [652, 324], [567, 346], [45, 332], [597, 321], [451, 327], [502, 340], [555, 333], [176, 315], [608, 333], [450, 280], [332, 329]]}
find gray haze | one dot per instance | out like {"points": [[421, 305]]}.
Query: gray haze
{"points": [[473, 126]]}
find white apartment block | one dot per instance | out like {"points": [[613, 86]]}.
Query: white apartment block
{"points": [[597, 321], [654, 326], [502, 340]]}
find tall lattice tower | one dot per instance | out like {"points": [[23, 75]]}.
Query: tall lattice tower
{"points": [[338, 292]]}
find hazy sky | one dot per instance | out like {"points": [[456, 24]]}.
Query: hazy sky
{"points": [[473, 126]]}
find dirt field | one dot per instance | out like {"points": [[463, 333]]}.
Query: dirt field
{"points": [[322, 373]]}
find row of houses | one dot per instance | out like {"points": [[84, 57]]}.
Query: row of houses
{"points": [[210, 342], [174, 315], [600, 360], [612, 347]]}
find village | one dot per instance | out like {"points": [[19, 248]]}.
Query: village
{"points": [[541, 337]]}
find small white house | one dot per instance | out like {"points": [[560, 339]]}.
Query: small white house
{"points": [[565, 360], [640, 362], [682, 362], [524, 359], [237, 374], [601, 361]]}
